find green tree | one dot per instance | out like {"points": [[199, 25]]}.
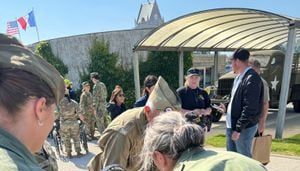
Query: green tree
{"points": [[111, 74], [165, 64], [44, 49]]}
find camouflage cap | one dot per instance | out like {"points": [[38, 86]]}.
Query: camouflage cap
{"points": [[85, 83], [162, 97], [93, 74], [14, 55]]}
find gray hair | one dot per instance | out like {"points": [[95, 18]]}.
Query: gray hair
{"points": [[171, 135]]}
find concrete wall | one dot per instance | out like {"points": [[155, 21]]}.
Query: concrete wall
{"points": [[74, 50]]}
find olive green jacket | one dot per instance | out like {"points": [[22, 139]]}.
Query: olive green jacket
{"points": [[122, 142], [206, 160], [14, 156]]}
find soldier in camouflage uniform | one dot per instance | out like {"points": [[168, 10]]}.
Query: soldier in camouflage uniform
{"points": [[99, 102], [46, 158], [122, 141], [30, 89], [86, 108], [69, 127]]}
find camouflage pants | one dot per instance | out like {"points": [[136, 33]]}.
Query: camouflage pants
{"points": [[89, 121], [70, 130], [102, 121]]}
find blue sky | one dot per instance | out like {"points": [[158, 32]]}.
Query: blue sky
{"points": [[60, 18]]}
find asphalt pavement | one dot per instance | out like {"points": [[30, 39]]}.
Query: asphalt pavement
{"points": [[277, 163]]}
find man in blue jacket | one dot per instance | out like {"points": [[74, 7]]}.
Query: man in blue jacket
{"points": [[245, 105]]}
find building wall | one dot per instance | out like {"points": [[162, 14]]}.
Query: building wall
{"points": [[207, 61], [74, 50]]}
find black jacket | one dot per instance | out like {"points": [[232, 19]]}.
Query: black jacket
{"points": [[115, 110], [247, 102]]}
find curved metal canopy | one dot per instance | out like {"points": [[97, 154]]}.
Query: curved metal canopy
{"points": [[220, 29]]}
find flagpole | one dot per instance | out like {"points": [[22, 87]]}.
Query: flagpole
{"points": [[36, 27], [19, 31]]}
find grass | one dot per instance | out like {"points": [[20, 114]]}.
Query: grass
{"points": [[287, 146]]}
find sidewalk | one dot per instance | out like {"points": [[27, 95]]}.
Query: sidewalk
{"points": [[277, 163]]}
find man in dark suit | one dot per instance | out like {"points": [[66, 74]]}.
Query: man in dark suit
{"points": [[245, 105]]}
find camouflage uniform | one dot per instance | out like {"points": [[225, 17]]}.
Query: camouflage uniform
{"points": [[122, 141], [46, 158], [69, 127], [99, 104], [14, 155], [86, 108]]}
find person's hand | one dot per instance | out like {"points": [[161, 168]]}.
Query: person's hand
{"points": [[199, 112], [207, 111], [81, 117], [261, 128], [235, 136], [223, 107]]}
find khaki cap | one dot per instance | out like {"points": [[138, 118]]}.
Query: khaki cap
{"points": [[14, 55], [162, 97], [85, 83], [94, 74]]}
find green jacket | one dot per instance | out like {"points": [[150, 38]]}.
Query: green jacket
{"points": [[14, 156], [122, 142], [206, 160]]}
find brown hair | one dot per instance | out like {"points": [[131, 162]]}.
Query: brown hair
{"points": [[18, 86], [115, 93], [149, 81]]}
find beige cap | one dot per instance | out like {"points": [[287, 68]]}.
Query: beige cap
{"points": [[14, 55], [162, 97], [85, 83]]}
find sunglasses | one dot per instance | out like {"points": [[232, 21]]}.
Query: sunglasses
{"points": [[121, 95]]}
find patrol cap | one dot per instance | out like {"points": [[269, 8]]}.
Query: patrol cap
{"points": [[85, 83], [14, 55], [241, 54], [193, 71], [163, 98], [94, 74]]}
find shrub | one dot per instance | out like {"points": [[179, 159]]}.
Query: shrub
{"points": [[165, 64], [44, 49], [111, 74]]}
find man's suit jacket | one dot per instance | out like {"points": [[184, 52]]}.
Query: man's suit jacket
{"points": [[247, 102]]}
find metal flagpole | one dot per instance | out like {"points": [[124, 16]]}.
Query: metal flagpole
{"points": [[36, 27], [19, 33]]}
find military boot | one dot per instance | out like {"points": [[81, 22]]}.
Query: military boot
{"points": [[69, 155], [79, 154]]}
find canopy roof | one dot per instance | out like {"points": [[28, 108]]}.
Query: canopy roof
{"points": [[220, 29]]}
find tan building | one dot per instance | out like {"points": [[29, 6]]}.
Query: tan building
{"points": [[205, 62]]}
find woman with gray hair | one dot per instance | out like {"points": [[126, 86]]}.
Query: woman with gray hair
{"points": [[171, 143]]}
